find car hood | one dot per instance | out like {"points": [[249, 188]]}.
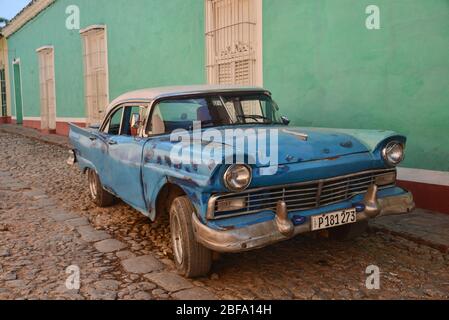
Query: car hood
{"points": [[300, 145], [297, 144], [294, 145]]}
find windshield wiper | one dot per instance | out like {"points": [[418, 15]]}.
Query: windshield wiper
{"points": [[205, 124], [255, 117]]}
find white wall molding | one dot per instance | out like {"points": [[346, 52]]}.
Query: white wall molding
{"points": [[32, 118], [75, 120], [424, 176]]}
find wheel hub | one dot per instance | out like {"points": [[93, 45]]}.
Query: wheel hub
{"points": [[177, 240], [92, 184]]}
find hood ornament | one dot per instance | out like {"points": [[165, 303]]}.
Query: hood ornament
{"points": [[302, 136]]}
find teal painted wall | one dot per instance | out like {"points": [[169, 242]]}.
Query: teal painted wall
{"points": [[150, 43], [327, 69]]}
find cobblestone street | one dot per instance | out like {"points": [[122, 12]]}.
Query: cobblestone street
{"points": [[48, 223]]}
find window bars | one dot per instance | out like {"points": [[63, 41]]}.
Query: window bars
{"points": [[231, 32]]}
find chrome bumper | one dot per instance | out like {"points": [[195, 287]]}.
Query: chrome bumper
{"points": [[281, 228], [72, 158]]}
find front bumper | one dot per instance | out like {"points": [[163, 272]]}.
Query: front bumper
{"points": [[281, 228]]}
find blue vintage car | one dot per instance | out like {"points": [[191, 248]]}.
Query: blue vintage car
{"points": [[330, 181]]}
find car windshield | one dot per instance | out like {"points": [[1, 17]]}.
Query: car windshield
{"points": [[214, 111]]}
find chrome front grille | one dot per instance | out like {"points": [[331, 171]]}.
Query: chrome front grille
{"points": [[300, 196]]}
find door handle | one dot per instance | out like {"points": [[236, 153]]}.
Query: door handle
{"points": [[112, 142], [92, 138]]}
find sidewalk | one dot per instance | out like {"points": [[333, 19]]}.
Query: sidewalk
{"points": [[421, 226], [34, 134]]}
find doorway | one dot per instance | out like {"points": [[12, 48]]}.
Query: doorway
{"points": [[47, 88], [95, 72], [4, 111], [18, 91]]}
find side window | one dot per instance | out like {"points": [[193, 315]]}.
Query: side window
{"points": [[170, 115], [157, 124], [113, 127], [132, 118]]}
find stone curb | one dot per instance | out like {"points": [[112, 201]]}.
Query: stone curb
{"points": [[36, 137], [438, 246]]}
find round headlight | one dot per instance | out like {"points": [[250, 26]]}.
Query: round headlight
{"points": [[237, 177], [393, 153]]}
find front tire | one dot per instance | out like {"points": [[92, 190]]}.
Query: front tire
{"points": [[191, 258], [99, 196]]}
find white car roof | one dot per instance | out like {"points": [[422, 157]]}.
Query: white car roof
{"points": [[164, 92]]}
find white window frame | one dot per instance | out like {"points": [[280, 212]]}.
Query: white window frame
{"points": [[256, 41], [85, 33], [144, 106], [48, 111]]}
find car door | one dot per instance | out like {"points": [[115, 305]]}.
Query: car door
{"points": [[123, 163], [99, 145]]}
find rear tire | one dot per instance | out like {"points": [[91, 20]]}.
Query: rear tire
{"points": [[348, 231], [99, 196], [191, 258]]}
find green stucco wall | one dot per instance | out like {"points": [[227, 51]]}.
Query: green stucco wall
{"points": [[327, 69], [150, 43]]}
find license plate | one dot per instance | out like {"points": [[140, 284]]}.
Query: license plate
{"points": [[334, 219]]}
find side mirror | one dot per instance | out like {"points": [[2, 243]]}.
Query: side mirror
{"points": [[285, 120], [135, 121]]}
